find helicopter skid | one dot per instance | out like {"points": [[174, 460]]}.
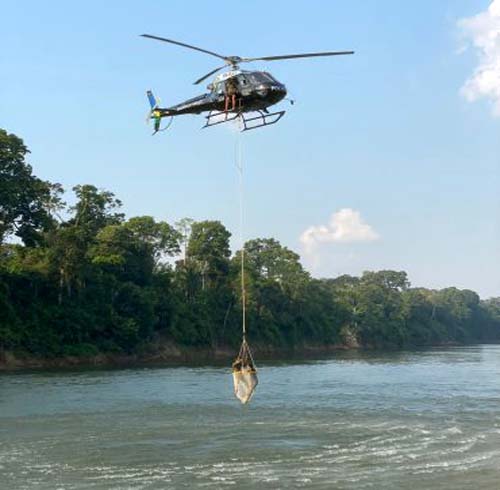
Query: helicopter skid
{"points": [[247, 123]]}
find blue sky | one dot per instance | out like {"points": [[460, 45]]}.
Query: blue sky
{"points": [[385, 133]]}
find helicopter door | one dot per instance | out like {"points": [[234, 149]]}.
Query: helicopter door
{"points": [[244, 85]]}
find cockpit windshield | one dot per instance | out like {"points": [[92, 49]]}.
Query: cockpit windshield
{"points": [[270, 77], [259, 77]]}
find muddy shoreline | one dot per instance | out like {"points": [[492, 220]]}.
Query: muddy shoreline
{"points": [[169, 354], [165, 355]]}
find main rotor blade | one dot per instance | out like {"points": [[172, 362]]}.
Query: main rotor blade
{"points": [[184, 45], [204, 77], [303, 55]]}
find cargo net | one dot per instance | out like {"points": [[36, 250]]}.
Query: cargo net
{"points": [[244, 374]]}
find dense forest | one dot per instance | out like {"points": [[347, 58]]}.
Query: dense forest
{"points": [[83, 279]]}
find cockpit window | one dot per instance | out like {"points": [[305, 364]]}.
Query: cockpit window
{"points": [[242, 80], [218, 88], [270, 77], [259, 77], [256, 77]]}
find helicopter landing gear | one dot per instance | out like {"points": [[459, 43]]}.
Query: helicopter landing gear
{"points": [[264, 118]]}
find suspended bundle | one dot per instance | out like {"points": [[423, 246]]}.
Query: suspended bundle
{"points": [[244, 374]]}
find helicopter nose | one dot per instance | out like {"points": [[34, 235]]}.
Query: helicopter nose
{"points": [[278, 87], [275, 91], [279, 90]]}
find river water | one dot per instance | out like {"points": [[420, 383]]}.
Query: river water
{"points": [[411, 420]]}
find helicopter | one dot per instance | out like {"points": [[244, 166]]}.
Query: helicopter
{"points": [[234, 94]]}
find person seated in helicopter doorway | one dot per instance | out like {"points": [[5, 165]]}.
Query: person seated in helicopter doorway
{"points": [[231, 91]]}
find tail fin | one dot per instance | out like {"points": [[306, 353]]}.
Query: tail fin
{"points": [[154, 114], [152, 100]]}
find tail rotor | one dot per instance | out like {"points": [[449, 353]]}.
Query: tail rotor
{"points": [[155, 113]]}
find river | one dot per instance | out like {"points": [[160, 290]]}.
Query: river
{"points": [[407, 420]]}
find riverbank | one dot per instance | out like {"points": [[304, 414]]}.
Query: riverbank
{"points": [[165, 353]]}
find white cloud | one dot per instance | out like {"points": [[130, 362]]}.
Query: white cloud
{"points": [[346, 226], [483, 32]]}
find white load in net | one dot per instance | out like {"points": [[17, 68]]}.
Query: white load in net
{"points": [[244, 374]]}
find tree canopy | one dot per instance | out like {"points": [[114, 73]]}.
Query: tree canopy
{"points": [[26, 201], [95, 281]]}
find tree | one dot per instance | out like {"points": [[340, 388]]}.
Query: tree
{"points": [[457, 310], [209, 248], [381, 309], [95, 209], [269, 260], [183, 227], [423, 326], [344, 292], [9, 321], [25, 200], [133, 249], [160, 238], [276, 287], [490, 319], [393, 280], [67, 255], [70, 241]]}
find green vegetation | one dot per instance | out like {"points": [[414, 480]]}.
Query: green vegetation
{"points": [[82, 279]]}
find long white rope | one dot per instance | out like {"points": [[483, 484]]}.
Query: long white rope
{"points": [[239, 166]]}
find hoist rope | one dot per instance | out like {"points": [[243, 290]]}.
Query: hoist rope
{"points": [[239, 166]]}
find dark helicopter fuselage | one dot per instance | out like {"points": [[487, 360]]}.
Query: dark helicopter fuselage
{"points": [[253, 90]]}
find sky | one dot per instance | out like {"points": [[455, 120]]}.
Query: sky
{"points": [[389, 159]]}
